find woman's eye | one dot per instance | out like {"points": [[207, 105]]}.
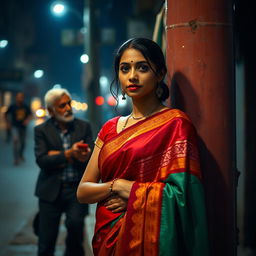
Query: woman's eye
{"points": [[124, 69], [143, 68]]}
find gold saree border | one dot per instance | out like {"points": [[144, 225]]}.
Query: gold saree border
{"points": [[146, 210], [98, 142], [138, 129], [178, 165]]}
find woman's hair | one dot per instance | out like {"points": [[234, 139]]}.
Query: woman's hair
{"points": [[152, 53], [54, 94]]}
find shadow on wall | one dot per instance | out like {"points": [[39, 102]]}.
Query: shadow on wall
{"points": [[179, 101], [218, 197]]}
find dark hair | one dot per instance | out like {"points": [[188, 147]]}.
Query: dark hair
{"points": [[152, 53]]}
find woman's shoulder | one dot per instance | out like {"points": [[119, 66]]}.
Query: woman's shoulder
{"points": [[108, 128], [177, 113], [111, 122]]}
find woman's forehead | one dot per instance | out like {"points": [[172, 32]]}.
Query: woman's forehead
{"points": [[131, 55]]}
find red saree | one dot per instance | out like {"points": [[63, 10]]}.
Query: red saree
{"points": [[165, 213]]}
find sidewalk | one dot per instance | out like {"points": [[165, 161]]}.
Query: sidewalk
{"points": [[18, 205]]}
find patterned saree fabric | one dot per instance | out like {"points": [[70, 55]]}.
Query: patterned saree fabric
{"points": [[165, 213]]}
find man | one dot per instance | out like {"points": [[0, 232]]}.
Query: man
{"points": [[17, 118], [62, 164]]}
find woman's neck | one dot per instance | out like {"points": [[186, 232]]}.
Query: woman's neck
{"points": [[146, 107]]}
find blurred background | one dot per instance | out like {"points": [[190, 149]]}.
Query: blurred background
{"points": [[47, 44], [71, 44]]}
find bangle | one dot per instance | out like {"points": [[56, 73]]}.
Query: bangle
{"points": [[111, 185]]}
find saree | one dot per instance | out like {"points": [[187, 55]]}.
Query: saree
{"points": [[166, 212]]}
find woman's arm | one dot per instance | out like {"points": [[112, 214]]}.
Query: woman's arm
{"points": [[89, 190]]}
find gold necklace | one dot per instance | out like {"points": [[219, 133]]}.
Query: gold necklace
{"points": [[140, 117], [126, 122]]}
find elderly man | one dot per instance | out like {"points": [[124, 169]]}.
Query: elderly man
{"points": [[62, 150]]}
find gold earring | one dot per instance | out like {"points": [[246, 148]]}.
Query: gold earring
{"points": [[159, 91]]}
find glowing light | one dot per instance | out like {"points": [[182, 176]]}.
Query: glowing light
{"points": [[58, 8], [111, 101], [84, 58], [73, 103], [84, 106], [103, 81], [38, 73], [57, 86], [3, 43], [35, 104], [40, 113], [79, 106], [99, 100]]}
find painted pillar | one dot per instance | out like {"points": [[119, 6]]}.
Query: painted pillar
{"points": [[201, 72]]}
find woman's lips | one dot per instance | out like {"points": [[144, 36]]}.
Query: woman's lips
{"points": [[133, 87]]}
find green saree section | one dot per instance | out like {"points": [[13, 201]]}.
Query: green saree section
{"points": [[183, 229]]}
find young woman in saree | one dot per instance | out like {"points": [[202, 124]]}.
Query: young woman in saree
{"points": [[150, 198]]}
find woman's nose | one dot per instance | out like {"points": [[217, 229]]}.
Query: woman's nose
{"points": [[133, 75]]}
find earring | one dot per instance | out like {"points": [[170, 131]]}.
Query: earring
{"points": [[123, 94], [159, 91]]}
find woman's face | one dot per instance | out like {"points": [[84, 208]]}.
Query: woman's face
{"points": [[136, 77]]}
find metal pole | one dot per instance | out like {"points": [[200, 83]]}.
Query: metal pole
{"points": [[91, 69], [201, 70]]}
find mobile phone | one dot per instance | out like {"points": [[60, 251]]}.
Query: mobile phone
{"points": [[83, 146]]}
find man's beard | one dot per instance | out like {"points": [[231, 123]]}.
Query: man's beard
{"points": [[66, 118]]}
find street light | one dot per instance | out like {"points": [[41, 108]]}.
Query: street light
{"points": [[38, 73], [91, 69], [3, 43], [59, 8], [84, 58]]}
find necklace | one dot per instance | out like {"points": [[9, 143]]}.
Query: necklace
{"points": [[149, 114], [126, 122], [138, 118]]}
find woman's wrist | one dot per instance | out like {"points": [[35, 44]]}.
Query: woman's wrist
{"points": [[121, 187], [111, 186]]}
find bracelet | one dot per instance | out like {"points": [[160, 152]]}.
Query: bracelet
{"points": [[111, 185]]}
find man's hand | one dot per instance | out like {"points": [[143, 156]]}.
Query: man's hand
{"points": [[81, 154]]}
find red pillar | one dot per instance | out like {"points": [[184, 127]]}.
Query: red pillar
{"points": [[201, 72]]}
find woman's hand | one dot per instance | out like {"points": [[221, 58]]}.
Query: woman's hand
{"points": [[116, 203], [122, 187]]}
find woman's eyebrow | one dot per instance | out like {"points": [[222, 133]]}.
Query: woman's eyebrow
{"points": [[138, 62]]}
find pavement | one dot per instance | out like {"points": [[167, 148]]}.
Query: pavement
{"points": [[18, 205]]}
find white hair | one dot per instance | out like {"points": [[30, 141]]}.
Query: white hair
{"points": [[54, 94]]}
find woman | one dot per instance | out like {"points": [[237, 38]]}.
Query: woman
{"points": [[150, 199]]}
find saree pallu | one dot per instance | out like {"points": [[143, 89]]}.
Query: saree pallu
{"points": [[165, 213]]}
